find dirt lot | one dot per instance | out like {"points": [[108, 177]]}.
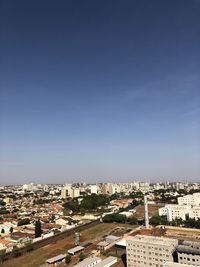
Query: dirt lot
{"points": [[153, 209], [39, 256]]}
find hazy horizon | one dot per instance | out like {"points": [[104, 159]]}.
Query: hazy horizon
{"points": [[99, 90]]}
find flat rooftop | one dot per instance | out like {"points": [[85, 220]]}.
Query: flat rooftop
{"points": [[75, 249], [88, 261], [113, 237], [59, 257], [107, 262], [154, 240], [174, 264], [187, 249], [122, 242]]}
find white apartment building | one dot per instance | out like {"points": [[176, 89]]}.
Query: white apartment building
{"points": [[194, 213], [28, 187], [144, 187], [64, 193], [75, 192], [110, 189], [190, 200], [173, 211], [68, 191], [188, 205], [93, 189], [143, 251]]}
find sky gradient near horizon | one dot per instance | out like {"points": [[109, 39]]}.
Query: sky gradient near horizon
{"points": [[99, 91]]}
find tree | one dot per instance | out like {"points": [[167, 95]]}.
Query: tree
{"points": [[29, 247], [23, 222], [38, 229], [2, 203], [4, 211], [89, 203], [119, 218], [132, 220], [81, 256], [68, 258], [16, 252], [158, 220], [2, 255]]}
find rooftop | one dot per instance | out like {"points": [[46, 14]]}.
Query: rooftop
{"points": [[75, 249], [174, 264], [56, 258], [188, 249], [106, 262], [87, 261], [153, 240], [113, 237]]}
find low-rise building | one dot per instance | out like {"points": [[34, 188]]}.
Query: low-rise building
{"points": [[88, 262], [111, 238], [107, 262], [76, 250]]}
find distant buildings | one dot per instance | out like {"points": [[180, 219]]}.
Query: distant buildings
{"points": [[94, 189], [28, 187], [69, 191]]}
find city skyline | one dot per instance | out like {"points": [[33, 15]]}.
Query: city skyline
{"points": [[103, 90]]}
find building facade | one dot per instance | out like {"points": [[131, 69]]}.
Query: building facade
{"points": [[143, 251]]}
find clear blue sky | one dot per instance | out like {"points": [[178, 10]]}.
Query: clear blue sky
{"points": [[99, 90]]}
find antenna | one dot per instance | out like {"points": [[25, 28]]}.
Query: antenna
{"points": [[146, 212]]}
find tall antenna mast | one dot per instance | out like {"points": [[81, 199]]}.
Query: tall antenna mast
{"points": [[146, 212]]}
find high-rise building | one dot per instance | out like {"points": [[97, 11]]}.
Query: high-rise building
{"points": [[93, 189]]}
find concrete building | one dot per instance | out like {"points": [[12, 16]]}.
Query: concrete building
{"points": [[144, 187], [75, 192], [76, 250], [68, 191], [194, 213], [64, 193], [111, 238], [55, 260], [107, 262], [175, 264], [94, 189], [28, 187], [189, 253], [88, 262], [143, 251], [174, 211], [191, 200]]}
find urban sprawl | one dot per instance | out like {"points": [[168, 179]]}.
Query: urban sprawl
{"points": [[104, 224]]}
